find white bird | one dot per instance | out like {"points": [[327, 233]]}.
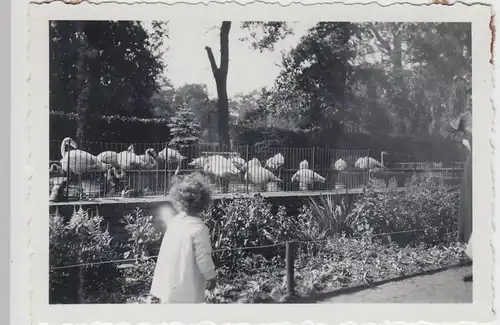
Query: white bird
{"points": [[147, 160], [306, 177], [238, 162], [56, 170], [198, 163], [171, 156], [304, 164], [250, 163], [340, 164], [275, 162], [128, 160], [220, 167], [76, 160], [109, 157], [260, 176], [370, 163]]}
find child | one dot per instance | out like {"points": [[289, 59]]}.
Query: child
{"points": [[185, 267]]}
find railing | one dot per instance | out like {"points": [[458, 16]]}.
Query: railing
{"points": [[146, 169], [149, 168]]}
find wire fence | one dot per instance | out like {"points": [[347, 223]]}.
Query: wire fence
{"points": [[290, 249], [92, 169]]}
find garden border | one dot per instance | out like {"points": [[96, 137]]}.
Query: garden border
{"points": [[315, 298]]}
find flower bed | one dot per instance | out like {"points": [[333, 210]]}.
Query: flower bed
{"points": [[337, 245]]}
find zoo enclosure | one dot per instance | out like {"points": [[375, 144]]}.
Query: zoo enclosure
{"points": [[151, 177]]}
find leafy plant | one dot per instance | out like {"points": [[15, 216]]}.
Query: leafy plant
{"points": [[426, 212], [331, 218], [245, 222], [138, 273], [81, 240]]}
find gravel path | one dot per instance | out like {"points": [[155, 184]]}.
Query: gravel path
{"points": [[443, 287]]}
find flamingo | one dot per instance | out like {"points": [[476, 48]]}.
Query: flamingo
{"points": [[252, 162], [275, 162], [340, 165], [78, 161], [304, 164], [370, 163], [109, 157], [171, 155], [147, 160], [258, 175], [238, 162], [128, 160], [220, 167], [198, 163], [306, 177]]}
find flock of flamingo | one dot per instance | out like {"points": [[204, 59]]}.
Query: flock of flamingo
{"points": [[75, 161]]}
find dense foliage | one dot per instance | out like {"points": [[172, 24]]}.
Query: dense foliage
{"points": [[184, 128], [119, 131], [348, 249], [123, 72]]}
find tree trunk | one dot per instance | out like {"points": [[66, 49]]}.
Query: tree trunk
{"points": [[220, 76], [82, 85]]}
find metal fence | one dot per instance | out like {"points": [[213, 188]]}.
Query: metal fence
{"points": [[99, 169]]}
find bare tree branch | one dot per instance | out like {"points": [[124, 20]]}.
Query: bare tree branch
{"points": [[211, 58], [382, 41]]}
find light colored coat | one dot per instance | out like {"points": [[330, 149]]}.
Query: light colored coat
{"points": [[185, 262]]}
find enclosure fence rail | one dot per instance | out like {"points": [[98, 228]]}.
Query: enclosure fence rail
{"points": [[90, 169], [290, 251]]}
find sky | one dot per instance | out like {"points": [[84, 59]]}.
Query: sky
{"points": [[248, 69]]}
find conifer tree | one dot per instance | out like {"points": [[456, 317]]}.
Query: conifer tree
{"points": [[184, 128]]}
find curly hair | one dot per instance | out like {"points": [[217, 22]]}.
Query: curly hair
{"points": [[191, 193]]}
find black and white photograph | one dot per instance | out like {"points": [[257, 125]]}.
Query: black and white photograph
{"points": [[261, 162]]}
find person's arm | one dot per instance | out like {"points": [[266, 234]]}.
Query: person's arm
{"points": [[203, 253]]}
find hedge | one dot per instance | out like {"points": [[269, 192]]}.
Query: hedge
{"points": [[399, 147], [109, 129]]}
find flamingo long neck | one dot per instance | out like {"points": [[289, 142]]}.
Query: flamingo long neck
{"points": [[382, 159], [63, 147]]}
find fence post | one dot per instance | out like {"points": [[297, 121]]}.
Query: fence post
{"points": [[247, 158], [312, 165], [290, 283], [67, 175], [165, 190]]}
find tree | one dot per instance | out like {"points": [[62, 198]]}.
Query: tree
{"points": [[184, 128], [315, 80], [273, 31], [122, 75], [426, 71]]}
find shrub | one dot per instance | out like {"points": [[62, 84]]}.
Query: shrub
{"points": [[111, 129], [83, 239], [330, 217], [245, 222], [426, 212], [137, 275], [184, 128]]}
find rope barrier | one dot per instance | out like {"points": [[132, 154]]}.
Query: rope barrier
{"points": [[240, 248]]}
